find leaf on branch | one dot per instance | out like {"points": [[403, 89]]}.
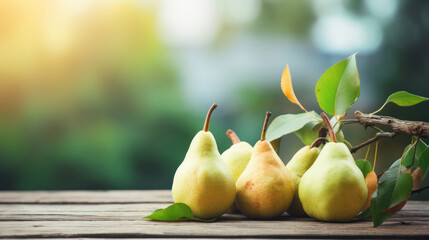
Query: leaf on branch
{"points": [[417, 177], [421, 148], [424, 161], [402, 189], [365, 214], [288, 123], [408, 158], [286, 85], [403, 99], [174, 212], [394, 187], [364, 166], [309, 132], [339, 87]]}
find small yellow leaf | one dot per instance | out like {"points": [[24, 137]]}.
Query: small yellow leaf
{"points": [[286, 84]]}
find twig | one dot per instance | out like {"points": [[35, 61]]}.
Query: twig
{"points": [[371, 140], [414, 128], [420, 190], [347, 121], [377, 128]]}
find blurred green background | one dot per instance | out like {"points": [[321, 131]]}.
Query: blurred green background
{"points": [[108, 94]]}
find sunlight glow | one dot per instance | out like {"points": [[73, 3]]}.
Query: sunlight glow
{"points": [[188, 22]]}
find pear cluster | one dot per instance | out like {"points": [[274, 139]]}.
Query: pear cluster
{"points": [[324, 184]]}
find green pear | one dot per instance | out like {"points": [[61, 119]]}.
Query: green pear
{"points": [[203, 181], [236, 157], [265, 189], [297, 166], [334, 188]]}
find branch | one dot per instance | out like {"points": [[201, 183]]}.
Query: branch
{"points": [[348, 121], [414, 128], [371, 140]]}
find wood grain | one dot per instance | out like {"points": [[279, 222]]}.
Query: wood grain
{"points": [[85, 197], [118, 214], [282, 227]]}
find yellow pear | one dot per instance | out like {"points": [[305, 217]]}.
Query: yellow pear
{"points": [[333, 189], [238, 155], [203, 181], [297, 166], [265, 189]]}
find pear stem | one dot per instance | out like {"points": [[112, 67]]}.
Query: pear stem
{"points": [[318, 141], [264, 129], [328, 125], [234, 138], [209, 114]]}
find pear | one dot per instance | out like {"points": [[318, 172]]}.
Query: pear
{"points": [[297, 166], [238, 155], [265, 189], [203, 181], [334, 188]]}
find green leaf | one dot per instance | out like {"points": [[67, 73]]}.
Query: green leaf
{"points": [[421, 148], [405, 99], [365, 214], [394, 186], [402, 189], [288, 123], [424, 161], [378, 218], [309, 132], [408, 158], [335, 125], [339, 87], [364, 166], [175, 212]]}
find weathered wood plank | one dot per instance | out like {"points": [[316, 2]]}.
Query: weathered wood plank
{"points": [[118, 212], [76, 212], [223, 228], [85, 197]]}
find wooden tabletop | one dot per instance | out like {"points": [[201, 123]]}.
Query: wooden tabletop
{"points": [[118, 214]]}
